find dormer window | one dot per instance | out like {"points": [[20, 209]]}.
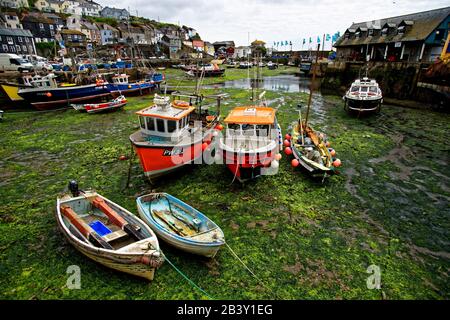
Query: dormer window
{"points": [[401, 30], [370, 32], [358, 34], [384, 31]]}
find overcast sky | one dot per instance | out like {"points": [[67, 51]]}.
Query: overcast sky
{"points": [[271, 20]]}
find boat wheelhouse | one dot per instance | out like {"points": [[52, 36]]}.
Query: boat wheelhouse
{"points": [[364, 95], [122, 86], [45, 93], [252, 142], [172, 135]]}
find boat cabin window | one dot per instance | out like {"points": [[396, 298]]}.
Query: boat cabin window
{"points": [[142, 122], [364, 89], [150, 123], [354, 89], [171, 126], [262, 130], [160, 125], [248, 130], [373, 89], [234, 129]]}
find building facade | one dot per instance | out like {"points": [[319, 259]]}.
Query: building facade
{"points": [[17, 41], [42, 28], [109, 34], [10, 20], [119, 14], [414, 37], [16, 4]]}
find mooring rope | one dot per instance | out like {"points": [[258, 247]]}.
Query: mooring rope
{"points": [[187, 278], [248, 269]]}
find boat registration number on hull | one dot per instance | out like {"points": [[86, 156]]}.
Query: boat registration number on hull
{"points": [[172, 152]]}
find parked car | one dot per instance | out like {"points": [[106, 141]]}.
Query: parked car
{"points": [[39, 63], [12, 62]]}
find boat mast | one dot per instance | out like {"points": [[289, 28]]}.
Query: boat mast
{"points": [[312, 85]]}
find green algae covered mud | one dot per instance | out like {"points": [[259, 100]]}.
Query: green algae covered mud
{"points": [[378, 230]]}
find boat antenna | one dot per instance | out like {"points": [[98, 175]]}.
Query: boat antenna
{"points": [[312, 85]]}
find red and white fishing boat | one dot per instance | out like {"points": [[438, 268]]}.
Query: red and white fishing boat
{"points": [[173, 134], [252, 142], [117, 103]]}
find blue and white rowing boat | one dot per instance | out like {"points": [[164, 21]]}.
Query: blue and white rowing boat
{"points": [[180, 225]]}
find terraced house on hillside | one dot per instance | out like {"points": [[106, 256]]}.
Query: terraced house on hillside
{"points": [[10, 20], [414, 37], [16, 4], [17, 41], [42, 28]]}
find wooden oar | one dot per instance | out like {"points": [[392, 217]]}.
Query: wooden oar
{"points": [[84, 228], [115, 218]]}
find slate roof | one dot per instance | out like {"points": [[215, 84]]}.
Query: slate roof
{"points": [[15, 32], [420, 26]]}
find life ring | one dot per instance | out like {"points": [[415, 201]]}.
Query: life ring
{"points": [[180, 104]]}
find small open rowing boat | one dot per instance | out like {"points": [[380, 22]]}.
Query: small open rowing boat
{"points": [[180, 225], [117, 103], [108, 233]]}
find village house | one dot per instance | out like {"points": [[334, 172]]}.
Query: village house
{"points": [[42, 28], [71, 7], [74, 40], [16, 41], [56, 20], [225, 49], [93, 34], [15, 4], [149, 34], [173, 43], [413, 37], [242, 52], [10, 20], [90, 8], [109, 34], [118, 14], [49, 5]]}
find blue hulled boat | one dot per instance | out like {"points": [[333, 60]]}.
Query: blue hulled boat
{"points": [[180, 225], [45, 93], [121, 86]]}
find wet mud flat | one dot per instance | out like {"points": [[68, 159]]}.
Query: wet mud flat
{"points": [[306, 239]]}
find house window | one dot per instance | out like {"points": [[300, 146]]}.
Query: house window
{"points": [[41, 26], [384, 31], [370, 32], [20, 39], [401, 30], [51, 27], [18, 48], [5, 47], [358, 34], [27, 40], [52, 33], [24, 48], [10, 40], [12, 49]]}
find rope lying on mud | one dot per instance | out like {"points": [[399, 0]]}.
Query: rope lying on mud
{"points": [[251, 272], [187, 278]]}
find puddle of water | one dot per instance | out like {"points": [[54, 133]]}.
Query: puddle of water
{"points": [[283, 83]]}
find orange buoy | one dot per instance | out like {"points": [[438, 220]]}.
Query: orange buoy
{"points": [[332, 152], [219, 127], [295, 163], [48, 94], [288, 151], [287, 136], [286, 143], [278, 156], [328, 144], [204, 146], [337, 163], [122, 157]]}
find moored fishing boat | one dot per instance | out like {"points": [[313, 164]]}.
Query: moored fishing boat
{"points": [[45, 93], [211, 70], [252, 142], [364, 95], [172, 135], [108, 233], [122, 86], [117, 103], [180, 225], [310, 148]]}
